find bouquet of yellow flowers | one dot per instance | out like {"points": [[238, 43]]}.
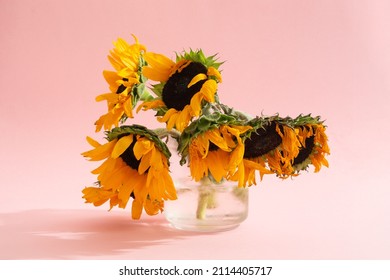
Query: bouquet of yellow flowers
{"points": [[216, 142]]}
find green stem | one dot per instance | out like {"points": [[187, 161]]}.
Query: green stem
{"points": [[206, 199], [163, 133], [231, 111]]}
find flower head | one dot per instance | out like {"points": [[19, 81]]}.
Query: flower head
{"points": [[125, 83], [269, 148], [311, 133], [185, 85], [284, 146], [135, 166], [213, 146]]}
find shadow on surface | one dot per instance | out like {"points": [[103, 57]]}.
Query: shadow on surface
{"points": [[72, 234]]}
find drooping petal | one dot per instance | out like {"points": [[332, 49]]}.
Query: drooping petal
{"points": [[216, 166], [153, 207], [109, 97], [121, 146], [171, 123], [209, 88], [124, 193], [215, 137], [196, 103], [183, 118], [211, 71], [136, 209], [151, 105], [96, 195], [141, 147], [93, 142], [197, 78], [145, 163], [100, 152], [159, 67], [128, 107]]}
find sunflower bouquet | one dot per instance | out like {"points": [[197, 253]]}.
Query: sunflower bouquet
{"points": [[216, 142]]}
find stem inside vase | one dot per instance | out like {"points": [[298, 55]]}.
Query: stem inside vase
{"points": [[207, 198]]}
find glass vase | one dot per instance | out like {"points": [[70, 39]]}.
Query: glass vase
{"points": [[207, 206]]}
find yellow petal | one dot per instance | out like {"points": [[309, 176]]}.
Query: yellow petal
{"points": [[93, 142], [209, 88], [215, 137], [135, 39], [136, 209], [172, 121], [184, 118], [156, 160], [196, 79], [169, 186], [101, 152], [159, 67], [211, 71], [151, 105], [140, 188], [158, 60], [236, 156], [216, 165], [145, 163], [203, 145], [155, 75], [241, 175], [128, 108], [124, 193], [142, 147], [121, 146], [167, 115], [152, 208], [110, 97], [115, 179], [195, 103], [121, 45], [111, 77], [106, 165], [95, 195]]}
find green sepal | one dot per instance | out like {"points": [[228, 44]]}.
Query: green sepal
{"points": [[158, 88], [199, 56], [301, 120]]}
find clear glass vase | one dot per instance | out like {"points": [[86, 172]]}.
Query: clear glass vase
{"points": [[207, 206]]}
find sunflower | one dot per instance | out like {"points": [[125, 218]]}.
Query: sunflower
{"points": [[214, 147], [269, 149], [135, 165], [314, 147], [185, 86], [126, 83]]}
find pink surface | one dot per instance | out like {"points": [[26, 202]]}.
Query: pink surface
{"points": [[330, 58]]}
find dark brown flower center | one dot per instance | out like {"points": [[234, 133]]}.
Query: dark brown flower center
{"points": [[176, 93], [213, 147], [264, 140], [305, 152]]}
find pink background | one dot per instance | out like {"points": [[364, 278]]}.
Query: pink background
{"points": [[330, 58]]}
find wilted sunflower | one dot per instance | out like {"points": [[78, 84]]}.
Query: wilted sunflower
{"points": [[184, 86], [126, 83], [136, 165], [311, 133], [270, 148], [213, 146]]}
